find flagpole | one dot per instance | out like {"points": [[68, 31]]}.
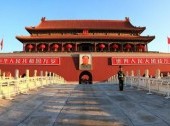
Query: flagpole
{"points": [[2, 42], [168, 43]]}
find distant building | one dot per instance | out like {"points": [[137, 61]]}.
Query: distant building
{"points": [[58, 46]]}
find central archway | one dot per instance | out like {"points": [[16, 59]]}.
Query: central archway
{"points": [[85, 77]]}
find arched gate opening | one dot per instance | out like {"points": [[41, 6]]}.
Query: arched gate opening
{"points": [[85, 77]]}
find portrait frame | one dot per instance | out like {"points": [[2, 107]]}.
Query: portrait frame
{"points": [[84, 58]]}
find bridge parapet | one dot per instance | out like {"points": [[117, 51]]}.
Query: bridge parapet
{"points": [[158, 84], [11, 86]]}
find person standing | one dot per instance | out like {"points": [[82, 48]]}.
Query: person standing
{"points": [[121, 77]]}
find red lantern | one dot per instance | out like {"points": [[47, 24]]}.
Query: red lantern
{"points": [[115, 46], [102, 46], [55, 47], [42, 47], [69, 46], [140, 47], [128, 46], [30, 47]]}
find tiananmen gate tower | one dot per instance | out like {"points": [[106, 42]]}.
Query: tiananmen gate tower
{"points": [[84, 49]]}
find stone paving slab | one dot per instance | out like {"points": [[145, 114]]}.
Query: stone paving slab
{"points": [[85, 105]]}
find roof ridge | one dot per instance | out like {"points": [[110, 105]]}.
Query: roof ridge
{"points": [[109, 20]]}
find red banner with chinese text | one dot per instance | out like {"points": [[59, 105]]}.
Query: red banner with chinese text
{"points": [[140, 61], [30, 61]]}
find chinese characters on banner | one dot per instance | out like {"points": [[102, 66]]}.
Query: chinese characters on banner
{"points": [[139, 61], [85, 62], [30, 61]]}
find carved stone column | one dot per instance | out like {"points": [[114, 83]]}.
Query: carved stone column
{"points": [[36, 47], [122, 50], [146, 48], [108, 47], [62, 48], [24, 47], [95, 46], [76, 47], [48, 48], [135, 47]]}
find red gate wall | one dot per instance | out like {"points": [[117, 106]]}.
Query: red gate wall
{"points": [[69, 68]]}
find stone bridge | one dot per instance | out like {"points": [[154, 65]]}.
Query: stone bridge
{"points": [[85, 105]]}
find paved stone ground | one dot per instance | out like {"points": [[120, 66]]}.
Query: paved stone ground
{"points": [[85, 105]]}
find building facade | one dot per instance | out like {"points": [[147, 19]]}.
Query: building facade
{"points": [[85, 50], [85, 36]]}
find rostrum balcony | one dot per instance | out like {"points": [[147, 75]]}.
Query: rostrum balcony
{"points": [[85, 47]]}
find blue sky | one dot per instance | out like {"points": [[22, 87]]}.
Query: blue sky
{"points": [[15, 15]]}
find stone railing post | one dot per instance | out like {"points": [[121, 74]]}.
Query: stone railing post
{"points": [[27, 73], [126, 75], [17, 86], [46, 73], [10, 75], [42, 78], [3, 75], [50, 77], [46, 77], [139, 80], [132, 73], [138, 73], [27, 80], [16, 74], [0, 73], [147, 73], [157, 75], [35, 73], [131, 78], [50, 74]]}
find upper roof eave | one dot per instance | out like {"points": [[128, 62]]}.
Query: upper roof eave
{"points": [[84, 37], [85, 24], [82, 28]]}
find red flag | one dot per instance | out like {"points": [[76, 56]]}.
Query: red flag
{"points": [[168, 40], [2, 44]]}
